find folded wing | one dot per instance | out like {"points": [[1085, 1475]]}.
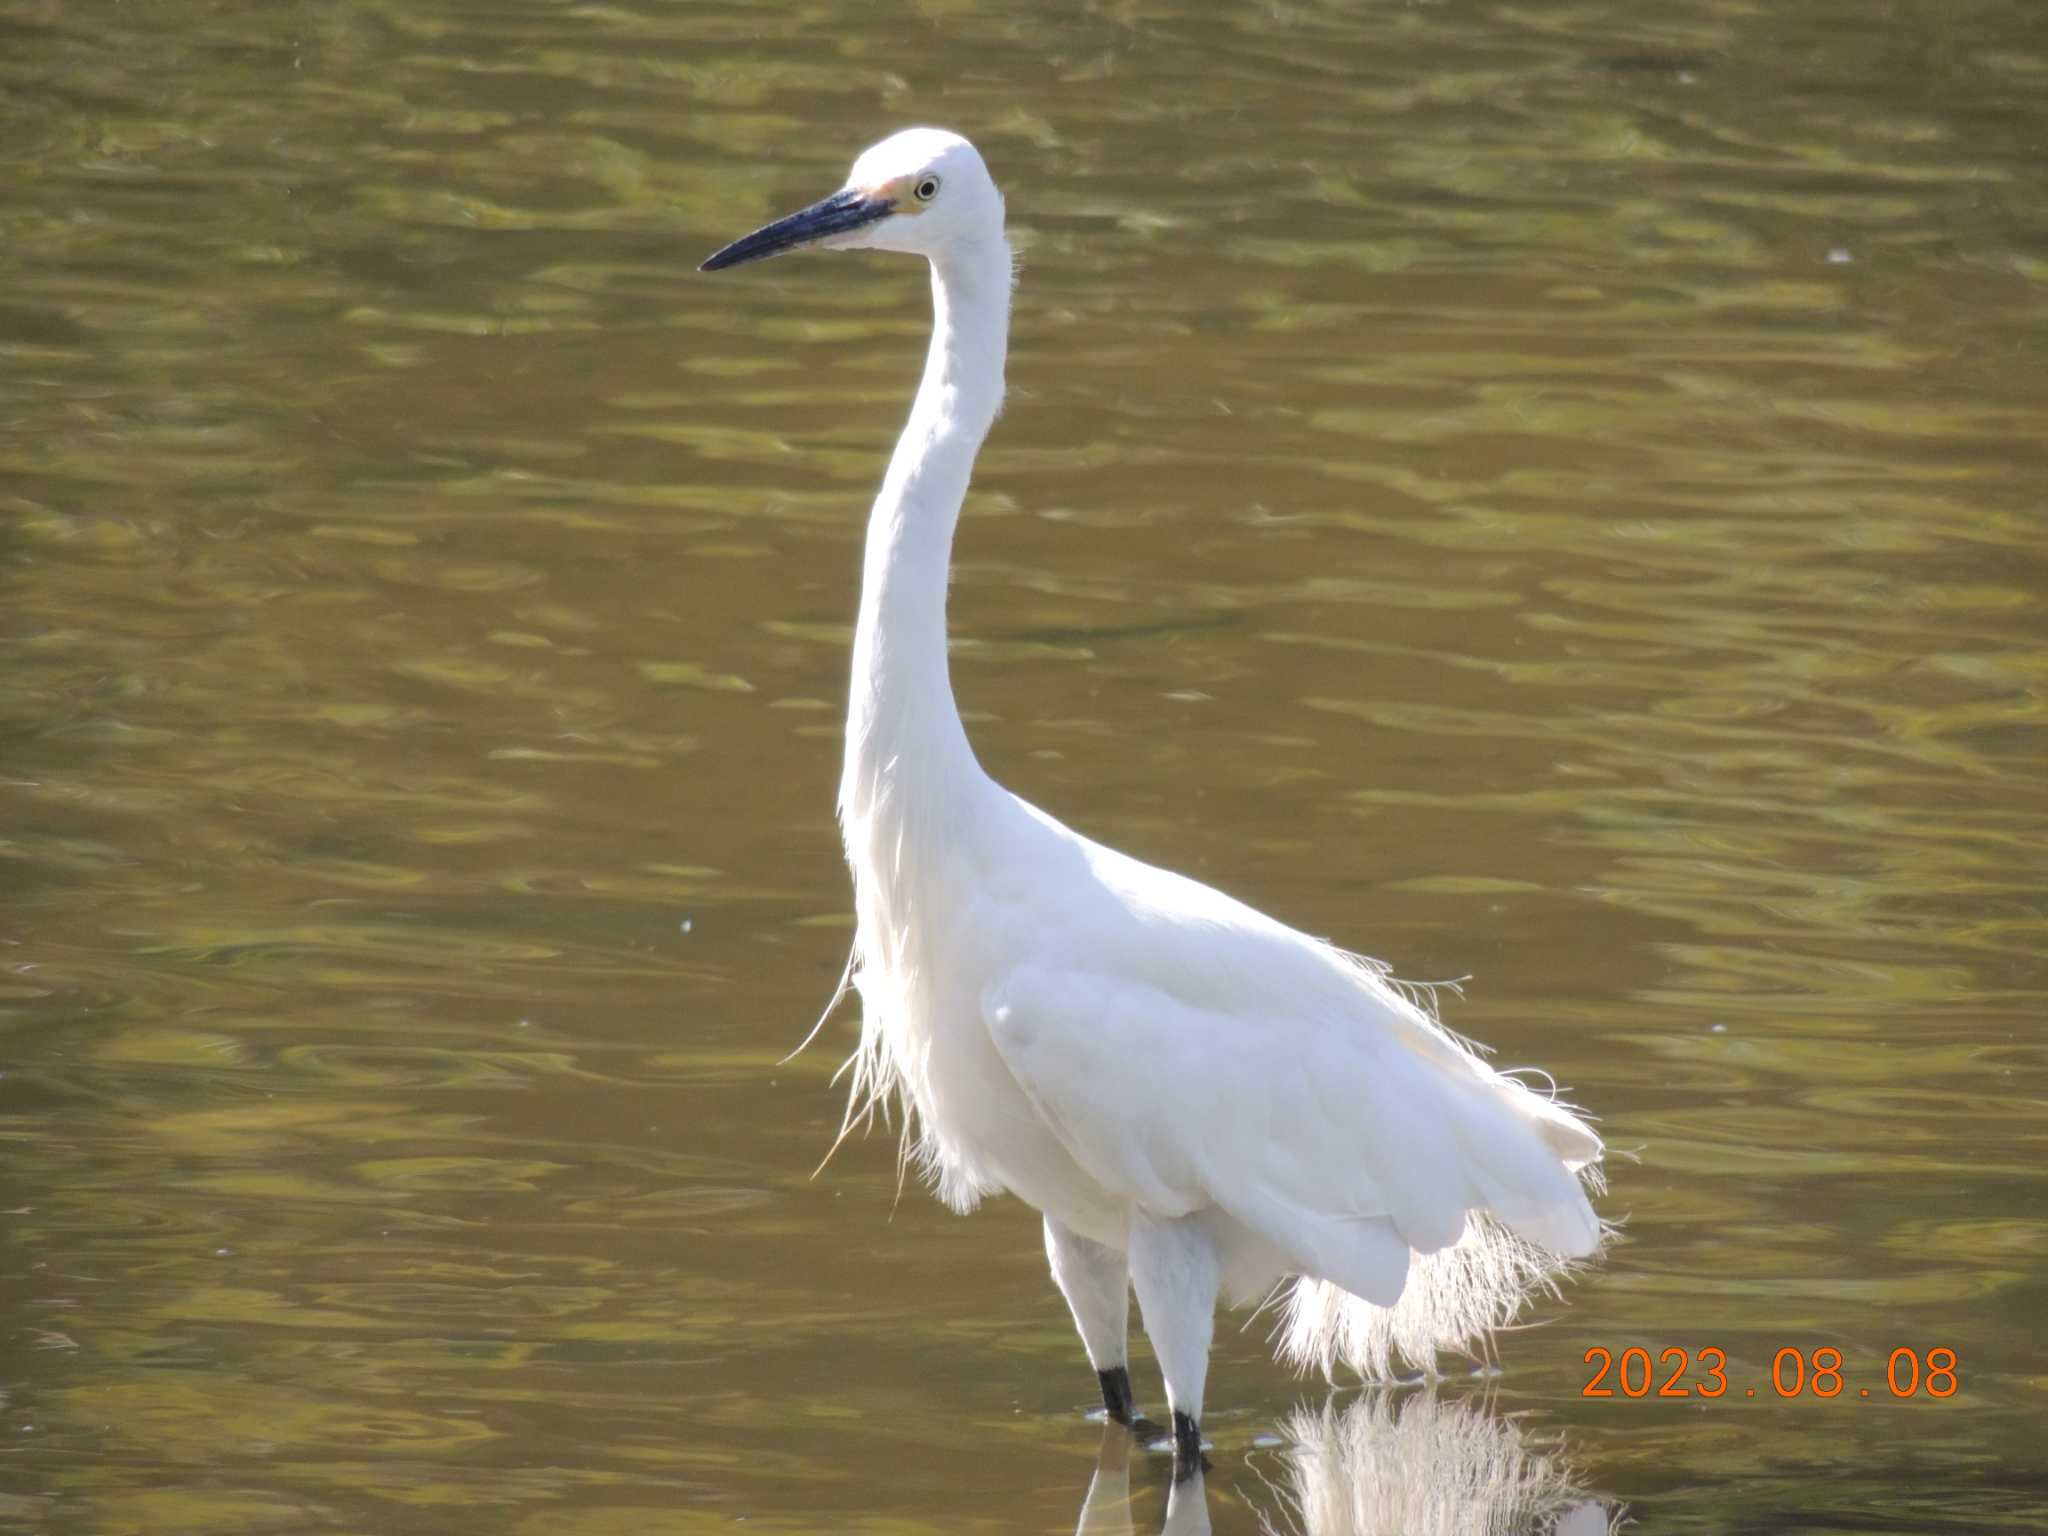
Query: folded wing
{"points": [[1348, 1134]]}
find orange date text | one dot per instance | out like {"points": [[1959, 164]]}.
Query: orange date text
{"points": [[1795, 1372]]}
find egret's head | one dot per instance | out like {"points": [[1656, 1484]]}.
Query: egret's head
{"points": [[921, 191]]}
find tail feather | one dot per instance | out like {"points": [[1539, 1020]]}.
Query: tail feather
{"points": [[1453, 1300], [1507, 1193]]}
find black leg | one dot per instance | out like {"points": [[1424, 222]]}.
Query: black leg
{"points": [[1187, 1446], [1116, 1393]]}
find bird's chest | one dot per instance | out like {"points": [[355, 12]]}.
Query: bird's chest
{"points": [[922, 969], [932, 941]]}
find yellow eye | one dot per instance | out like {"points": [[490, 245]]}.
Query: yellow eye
{"points": [[926, 189]]}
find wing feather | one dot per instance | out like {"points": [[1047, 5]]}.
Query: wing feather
{"points": [[1335, 1139]]}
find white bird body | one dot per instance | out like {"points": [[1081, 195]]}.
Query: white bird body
{"points": [[1197, 1097]]}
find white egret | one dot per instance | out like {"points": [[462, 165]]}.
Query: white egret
{"points": [[1199, 1099]]}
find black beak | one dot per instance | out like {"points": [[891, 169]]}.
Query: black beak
{"points": [[835, 215]]}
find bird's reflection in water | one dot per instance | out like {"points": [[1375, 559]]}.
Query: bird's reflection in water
{"points": [[1107, 1509], [1388, 1463]]}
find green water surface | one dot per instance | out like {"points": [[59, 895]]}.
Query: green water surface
{"points": [[1549, 493]]}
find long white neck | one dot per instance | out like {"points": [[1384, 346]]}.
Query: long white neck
{"points": [[901, 719]]}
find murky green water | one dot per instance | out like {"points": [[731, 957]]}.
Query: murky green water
{"points": [[1549, 492]]}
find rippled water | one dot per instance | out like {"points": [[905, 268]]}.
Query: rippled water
{"points": [[1545, 492]]}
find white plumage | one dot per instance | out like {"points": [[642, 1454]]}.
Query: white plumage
{"points": [[1199, 1099]]}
